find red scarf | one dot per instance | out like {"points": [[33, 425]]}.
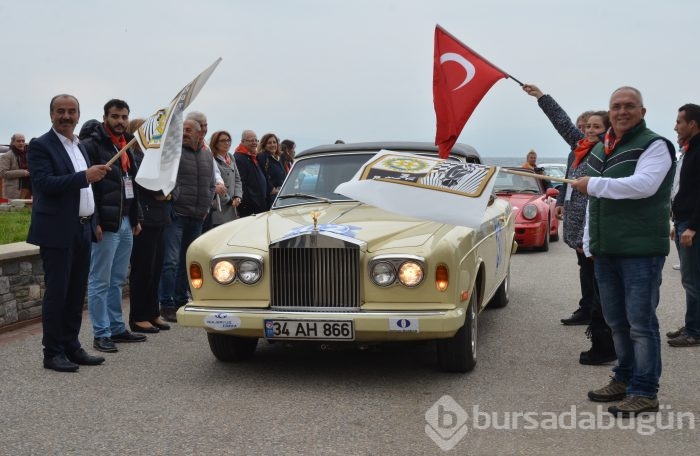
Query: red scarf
{"points": [[582, 149], [120, 143], [610, 141], [684, 146], [241, 149]]}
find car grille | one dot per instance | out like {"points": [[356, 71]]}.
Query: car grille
{"points": [[313, 272]]}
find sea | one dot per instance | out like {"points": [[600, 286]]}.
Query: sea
{"points": [[517, 161]]}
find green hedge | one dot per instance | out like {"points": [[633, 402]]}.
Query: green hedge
{"points": [[14, 226]]}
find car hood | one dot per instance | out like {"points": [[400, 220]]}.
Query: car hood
{"points": [[377, 228], [518, 200]]}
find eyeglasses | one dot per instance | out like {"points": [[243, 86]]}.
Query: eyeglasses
{"points": [[252, 140], [624, 107], [225, 140]]}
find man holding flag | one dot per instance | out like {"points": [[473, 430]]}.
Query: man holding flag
{"points": [[117, 221]]}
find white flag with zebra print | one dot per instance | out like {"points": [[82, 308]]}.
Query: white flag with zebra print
{"points": [[424, 187], [160, 138]]}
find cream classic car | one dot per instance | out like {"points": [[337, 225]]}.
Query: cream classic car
{"points": [[322, 267]]}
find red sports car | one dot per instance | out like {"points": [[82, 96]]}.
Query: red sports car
{"points": [[533, 205]]}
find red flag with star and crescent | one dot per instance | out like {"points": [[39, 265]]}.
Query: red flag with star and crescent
{"points": [[461, 78]]}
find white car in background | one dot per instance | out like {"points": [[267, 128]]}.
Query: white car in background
{"points": [[554, 170]]}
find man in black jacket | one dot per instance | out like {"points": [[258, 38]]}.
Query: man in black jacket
{"points": [[117, 220], [62, 179], [686, 221]]}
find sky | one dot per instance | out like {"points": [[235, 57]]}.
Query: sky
{"points": [[359, 70]]}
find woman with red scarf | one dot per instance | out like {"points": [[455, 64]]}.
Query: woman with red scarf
{"points": [[573, 206]]}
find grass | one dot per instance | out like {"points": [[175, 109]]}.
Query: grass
{"points": [[14, 226]]}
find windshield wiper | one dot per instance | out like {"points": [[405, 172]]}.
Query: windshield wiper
{"points": [[303, 196]]}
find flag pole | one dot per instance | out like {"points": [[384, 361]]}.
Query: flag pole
{"points": [[119, 154], [538, 176], [511, 77]]}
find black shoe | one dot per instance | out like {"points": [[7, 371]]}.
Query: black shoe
{"points": [[150, 329], [602, 346], [60, 363], [126, 336], [579, 317], [80, 356], [160, 324], [104, 344], [169, 314], [592, 358]]}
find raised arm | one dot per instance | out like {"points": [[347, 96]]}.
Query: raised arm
{"points": [[556, 115]]}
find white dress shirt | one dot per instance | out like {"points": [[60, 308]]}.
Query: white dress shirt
{"points": [[87, 200], [651, 169]]}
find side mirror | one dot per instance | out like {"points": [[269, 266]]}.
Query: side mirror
{"points": [[552, 192]]}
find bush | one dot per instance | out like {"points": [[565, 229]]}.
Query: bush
{"points": [[14, 226]]}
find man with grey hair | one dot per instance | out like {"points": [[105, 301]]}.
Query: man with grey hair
{"points": [[255, 184], [192, 197], [220, 187], [629, 186], [14, 170]]}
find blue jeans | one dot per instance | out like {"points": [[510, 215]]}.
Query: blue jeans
{"points": [[174, 290], [629, 295], [690, 278], [109, 263]]}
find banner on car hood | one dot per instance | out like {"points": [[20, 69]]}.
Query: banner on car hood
{"points": [[423, 187]]}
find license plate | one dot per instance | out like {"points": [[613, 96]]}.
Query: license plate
{"points": [[310, 329]]}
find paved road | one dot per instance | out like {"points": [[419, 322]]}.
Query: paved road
{"points": [[170, 396]]}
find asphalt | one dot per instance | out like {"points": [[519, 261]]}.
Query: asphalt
{"points": [[170, 396]]}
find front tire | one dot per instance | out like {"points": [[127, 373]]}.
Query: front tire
{"points": [[458, 353], [545, 245], [232, 348], [502, 296]]}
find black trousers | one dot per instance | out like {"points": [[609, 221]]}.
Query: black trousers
{"points": [[146, 265], [590, 298], [65, 278]]}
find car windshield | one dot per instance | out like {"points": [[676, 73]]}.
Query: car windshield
{"points": [[511, 183], [315, 178], [555, 170]]}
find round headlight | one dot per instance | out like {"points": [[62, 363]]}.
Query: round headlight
{"points": [[249, 271], [383, 273], [224, 272], [410, 273], [529, 211]]}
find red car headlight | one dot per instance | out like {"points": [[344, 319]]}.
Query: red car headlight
{"points": [[529, 211]]}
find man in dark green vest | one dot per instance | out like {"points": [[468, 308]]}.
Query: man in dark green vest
{"points": [[629, 186]]}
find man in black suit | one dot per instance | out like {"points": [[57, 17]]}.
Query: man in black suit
{"points": [[62, 227]]}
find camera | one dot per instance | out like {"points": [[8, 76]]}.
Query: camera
{"points": [[539, 170]]}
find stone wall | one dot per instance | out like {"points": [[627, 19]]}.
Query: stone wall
{"points": [[21, 283]]}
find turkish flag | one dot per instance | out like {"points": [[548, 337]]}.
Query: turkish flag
{"points": [[461, 78]]}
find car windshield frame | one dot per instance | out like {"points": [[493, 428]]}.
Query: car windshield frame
{"points": [[314, 178], [511, 183]]}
